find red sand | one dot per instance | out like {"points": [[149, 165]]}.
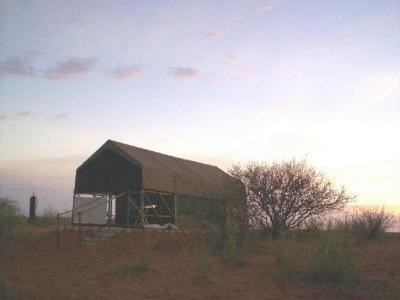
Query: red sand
{"points": [[37, 270]]}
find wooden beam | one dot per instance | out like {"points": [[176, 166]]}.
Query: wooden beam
{"points": [[155, 211], [166, 205], [141, 207], [127, 210]]}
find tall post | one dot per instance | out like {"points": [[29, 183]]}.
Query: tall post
{"points": [[73, 210], [79, 228], [109, 209], [32, 209], [141, 208], [175, 209], [128, 208], [58, 232]]}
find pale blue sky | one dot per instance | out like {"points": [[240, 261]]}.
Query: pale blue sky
{"points": [[215, 81]]}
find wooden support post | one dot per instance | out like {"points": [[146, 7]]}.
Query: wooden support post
{"points": [[141, 208], [58, 232], [151, 204], [127, 208], [172, 214], [175, 209], [73, 210], [109, 209], [79, 228]]}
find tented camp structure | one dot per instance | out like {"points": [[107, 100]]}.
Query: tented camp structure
{"points": [[146, 187]]}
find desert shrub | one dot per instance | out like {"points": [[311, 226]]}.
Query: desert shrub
{"points": [[332, 260], [47, 218], [201, 255], [286, 254], [9, 214], [6, 291], [313, 224], [139, 267], [371, 224], [282, 196]]}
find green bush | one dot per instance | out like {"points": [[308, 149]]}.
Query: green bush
{"points": [[47, 218], [286, 256], [139, 267], [6, 291], [201, 256], [333, 261], [9, 214]]}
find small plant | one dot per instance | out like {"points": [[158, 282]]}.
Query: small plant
{"points": [[201, 256], [47, 218], [285, 254], [332, 261], [139, 267], [371, 224], [9, 212], [202, 263], [6, 291], [239, 262]]}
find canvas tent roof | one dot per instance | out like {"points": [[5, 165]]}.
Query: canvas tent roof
{"points": [[161, 172]]}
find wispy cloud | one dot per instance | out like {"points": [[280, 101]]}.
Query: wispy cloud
{"points": [[3, 118], [183, 72], [59, 117], [17, 66], [70, 67], [231, 56], [229, 59], [215, 35], [24, 113], [235, 19], [268, 6], [127, 72]]}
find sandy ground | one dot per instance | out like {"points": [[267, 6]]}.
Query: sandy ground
{"points": [[37, 270]]}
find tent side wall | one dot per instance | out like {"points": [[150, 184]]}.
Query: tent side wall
{"points": [[108, 173], [191, 211]]}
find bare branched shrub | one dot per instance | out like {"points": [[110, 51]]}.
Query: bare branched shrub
{"points": [[281, 196], [370, 224]]}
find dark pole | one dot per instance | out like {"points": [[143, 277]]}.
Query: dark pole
{"points": [[32, 209], [79, 228], [58, 231]]}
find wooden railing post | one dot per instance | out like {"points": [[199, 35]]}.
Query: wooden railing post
{"points": [[58, 232], [128, 200], [79, 228], [141, 208]]}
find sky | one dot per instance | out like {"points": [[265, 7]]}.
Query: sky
{"points": [[219, 82]]}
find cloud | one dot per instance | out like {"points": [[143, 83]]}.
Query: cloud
{"points": [[183, 72], [3, 118], [229, 59], [235, 19], [17, 66], [268, 6], [215, 35], [70, 67], [24, 113], [231, 56], [59, 117], [127, 72]]}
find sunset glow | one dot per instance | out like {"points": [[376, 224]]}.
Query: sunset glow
{"points": [[218, 82]]}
